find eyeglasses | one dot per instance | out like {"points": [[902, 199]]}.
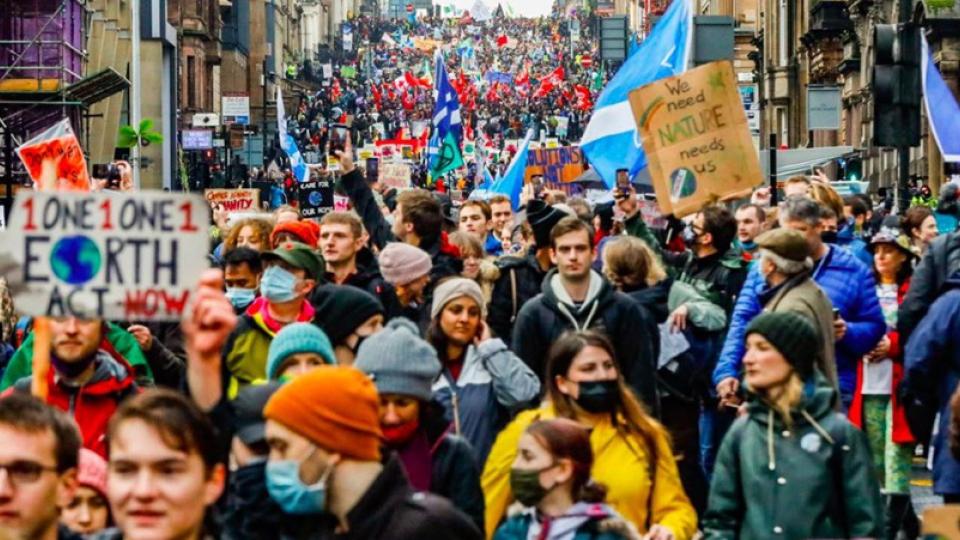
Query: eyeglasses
{"points": [[25, 472]]}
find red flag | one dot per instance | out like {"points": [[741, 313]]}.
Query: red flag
{"points": [[502, 40], [335, 92], [584, 100], [391, 95], [550, 82], [377, 97]]}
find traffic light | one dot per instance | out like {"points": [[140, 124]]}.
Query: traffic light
{"points": [[896, 85]]}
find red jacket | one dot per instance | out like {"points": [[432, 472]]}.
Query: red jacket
{"points": [[901, 431], [93, 403]]}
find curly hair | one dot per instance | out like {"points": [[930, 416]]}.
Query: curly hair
{"points": [[263, 227]]}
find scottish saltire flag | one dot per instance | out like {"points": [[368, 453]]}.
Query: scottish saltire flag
{"points": [[289, 145], [611, 141], [511, 183], [943, 112]]}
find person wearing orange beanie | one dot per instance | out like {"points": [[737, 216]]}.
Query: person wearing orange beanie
{"points": [[325, 467], [303, 231]]}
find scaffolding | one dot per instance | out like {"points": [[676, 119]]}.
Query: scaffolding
{"points": [[42, 76]]}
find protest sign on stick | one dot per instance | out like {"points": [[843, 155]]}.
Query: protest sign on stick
{"points": [[110, 255], [54, 160], [696, 138], [234, 200], [555, 165]]}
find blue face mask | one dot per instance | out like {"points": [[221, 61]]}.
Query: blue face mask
{"points": [[240, 298], [277, 285], [293, 496]]}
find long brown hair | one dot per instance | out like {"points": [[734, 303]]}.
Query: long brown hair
{"points": [[565, 439], [636, 421]]}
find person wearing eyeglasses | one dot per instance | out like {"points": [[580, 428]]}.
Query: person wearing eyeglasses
{"points": [[38, 468]]}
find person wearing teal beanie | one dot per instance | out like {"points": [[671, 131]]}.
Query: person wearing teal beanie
{"points": [[298, 348]]}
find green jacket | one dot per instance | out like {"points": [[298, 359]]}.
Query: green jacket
{"points": [[21, 364], [245, 354], [635, 226], [814, 480]]}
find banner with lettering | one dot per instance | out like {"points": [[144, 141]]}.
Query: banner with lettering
{"points": [[695, 134], [108, 255], [556, 165], [234, 200]]}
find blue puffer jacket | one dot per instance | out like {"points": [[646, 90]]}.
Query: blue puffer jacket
{"points": [[851, 289], [848, 240]]}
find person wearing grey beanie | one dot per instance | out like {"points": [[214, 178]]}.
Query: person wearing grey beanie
{"points": [[483, 382], [403, 367]]}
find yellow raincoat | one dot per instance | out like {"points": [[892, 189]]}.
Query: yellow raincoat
{"points": [[619, 462]]}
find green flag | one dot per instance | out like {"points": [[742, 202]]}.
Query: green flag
{"points": [[448, 157]]}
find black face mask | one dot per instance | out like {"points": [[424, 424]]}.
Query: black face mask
{"points": [[599, 396], [829, 237]]}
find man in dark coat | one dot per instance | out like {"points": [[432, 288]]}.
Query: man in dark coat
{"points": [[941, 261], [521, 277], [574, 297]]}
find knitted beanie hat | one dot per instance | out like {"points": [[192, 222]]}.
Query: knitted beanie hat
{"points": [[542, 217], [92, 471], [335, 407], [399, 361], [341, 309], [307, 232], [296, 338], [450, 289], [402, 263], [793, 335]]}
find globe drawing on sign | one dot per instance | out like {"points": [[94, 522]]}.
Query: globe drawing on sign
{"points": [[75, 259], [683, 183], [315, 198]]}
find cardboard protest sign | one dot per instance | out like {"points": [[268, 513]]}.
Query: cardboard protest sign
{"points": [[54, 160], [556, 165], [234, 200], [396, 175], [316, 198], [696, 137], [105, 255], [942, 522]]}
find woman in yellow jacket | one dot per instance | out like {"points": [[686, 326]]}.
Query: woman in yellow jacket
{"points": [[632, 455]]}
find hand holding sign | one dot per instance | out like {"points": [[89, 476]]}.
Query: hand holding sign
{"points": [[205, 331]]}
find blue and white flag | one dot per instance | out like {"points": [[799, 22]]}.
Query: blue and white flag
{"points": [[943, 112], [511, 183], [289, 144], [446, 112], [611, 141]]}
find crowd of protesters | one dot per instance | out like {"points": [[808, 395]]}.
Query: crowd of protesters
{"points": [[563, 371]]}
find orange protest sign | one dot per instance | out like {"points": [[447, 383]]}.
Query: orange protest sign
{"points": [[555, 165], [695, 135], [54, 159]]}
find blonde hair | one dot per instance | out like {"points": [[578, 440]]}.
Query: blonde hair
{"points": [[628, 258], [827, 197], [784, 397], [467, 244]]}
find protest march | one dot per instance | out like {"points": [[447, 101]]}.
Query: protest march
{"points": [[487, 283]]}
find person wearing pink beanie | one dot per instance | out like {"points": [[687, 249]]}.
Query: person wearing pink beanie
{"points": [[407, 268], [88, 511]]}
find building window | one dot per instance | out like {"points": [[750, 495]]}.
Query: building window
{"points": [[191, 82]]}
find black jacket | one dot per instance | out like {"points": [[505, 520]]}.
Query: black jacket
{"points": [[368, 278], [248, 511], [629, 326], [456, 472], [939, 263], [520, 280], [654, 298], [391, 510]]}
